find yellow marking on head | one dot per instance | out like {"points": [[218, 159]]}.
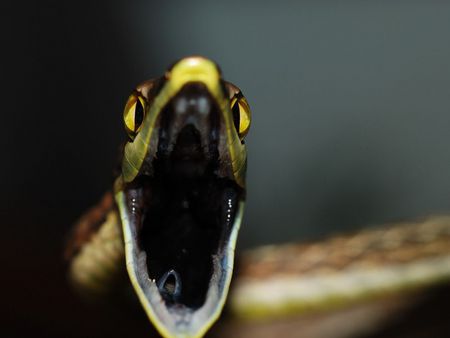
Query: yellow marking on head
{"points": [[192, 69]]}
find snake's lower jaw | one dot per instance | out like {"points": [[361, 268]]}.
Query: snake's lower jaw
{"points": [[181, 265]]}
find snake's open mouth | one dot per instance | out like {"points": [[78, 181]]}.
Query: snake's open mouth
{"points": [[187, 221], [182, 216]]}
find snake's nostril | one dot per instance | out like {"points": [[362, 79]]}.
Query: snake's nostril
{"points": [[169, 286]]}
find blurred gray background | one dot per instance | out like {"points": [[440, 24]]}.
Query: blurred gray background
{"points": [[351, 120], [350, 101]]}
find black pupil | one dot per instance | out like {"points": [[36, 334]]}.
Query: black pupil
{"points": [[236, 115], [138, 115]]}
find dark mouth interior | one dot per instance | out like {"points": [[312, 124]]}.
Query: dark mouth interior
{"points": [[188, 210], [184, 226]]}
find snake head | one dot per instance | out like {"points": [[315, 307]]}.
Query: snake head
{"points": [[181, 193]]}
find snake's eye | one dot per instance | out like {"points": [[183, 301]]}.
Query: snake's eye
{"points": [[241, 114], [134, 113]]}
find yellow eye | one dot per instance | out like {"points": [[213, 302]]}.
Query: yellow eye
{"points": [[241, 115], [134, 114]]}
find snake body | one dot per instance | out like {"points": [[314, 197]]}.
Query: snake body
{"points": [[277, 280]]}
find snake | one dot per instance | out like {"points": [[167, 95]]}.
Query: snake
{"points": [[176, 206], [168, 227]]}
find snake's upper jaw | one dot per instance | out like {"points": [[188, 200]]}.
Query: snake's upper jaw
{"points": [[181, 280]]}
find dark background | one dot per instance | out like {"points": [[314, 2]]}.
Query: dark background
{"points": [[351, 118]]}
